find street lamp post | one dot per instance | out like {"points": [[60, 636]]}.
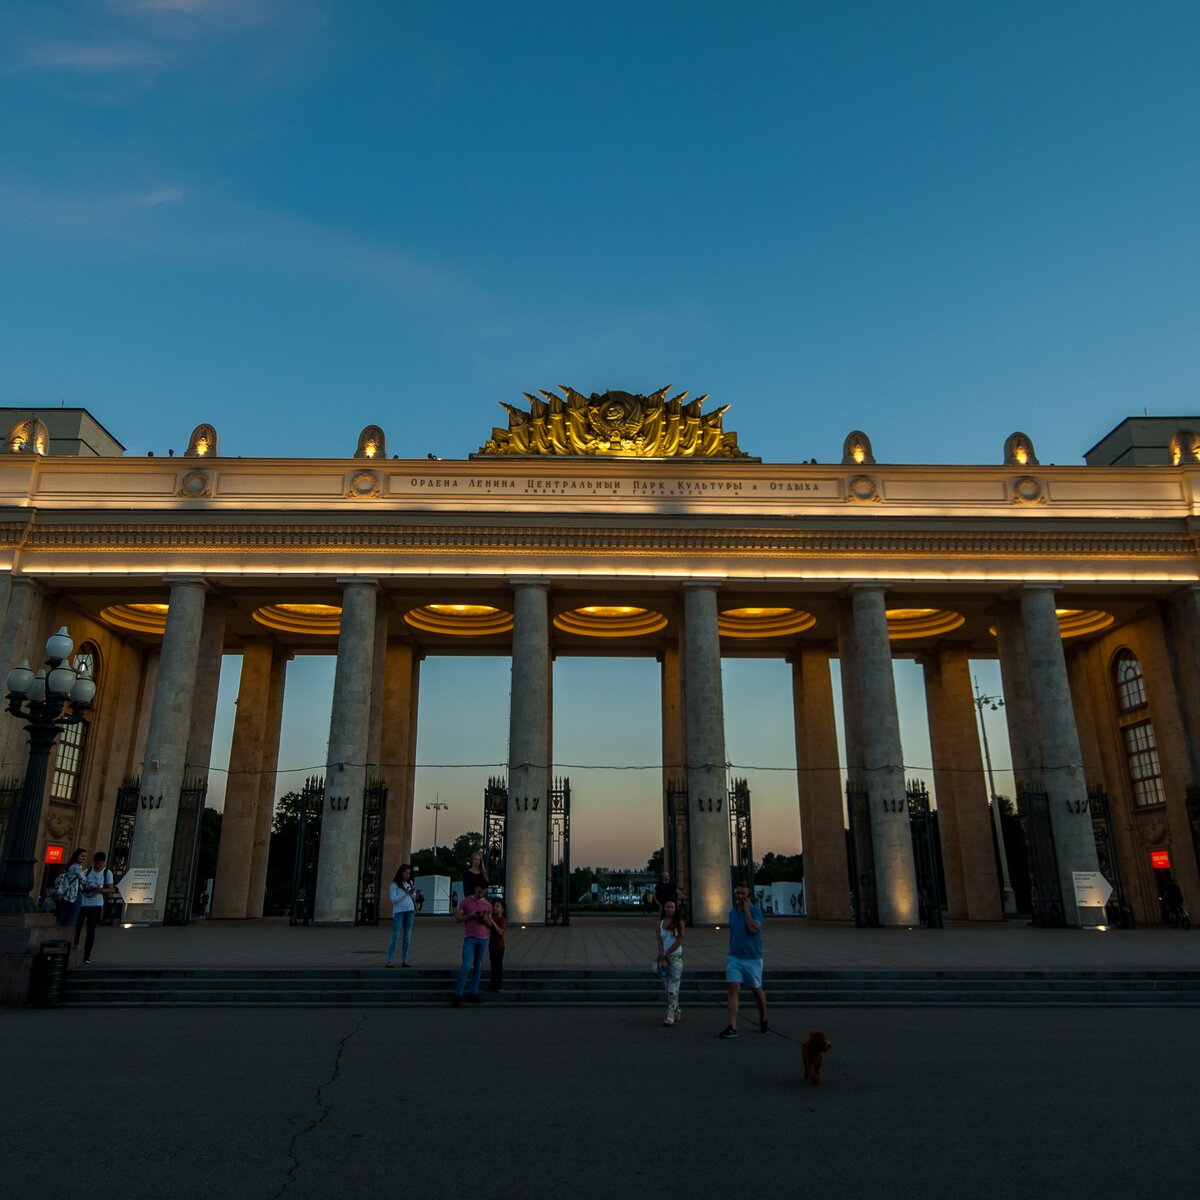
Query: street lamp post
{"points": [[995, 703], [437, 807], [41, 701]]}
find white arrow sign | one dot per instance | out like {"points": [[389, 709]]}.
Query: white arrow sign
{"points": [[138, 885], [1092, 890]]}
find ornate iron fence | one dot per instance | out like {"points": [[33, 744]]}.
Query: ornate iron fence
{"points": [[558, 854], [495, 830], [676, 856], [370, 853], [181, 880], [1044, 885], [741, 844], [308, 849], [926, 854], [862, 858]]}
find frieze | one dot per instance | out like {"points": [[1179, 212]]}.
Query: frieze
{"points": [[476, 539]]}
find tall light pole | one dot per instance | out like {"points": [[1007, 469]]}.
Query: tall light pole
{"points": [[57, 696], [437, 807], [995, 703]]}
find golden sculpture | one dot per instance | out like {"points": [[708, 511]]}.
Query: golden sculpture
{"points": [[617, 424]]}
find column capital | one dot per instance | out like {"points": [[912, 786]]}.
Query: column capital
{"points": [[713, 585], [529, 583], [867, 585], [191, 580], [345, 581]]}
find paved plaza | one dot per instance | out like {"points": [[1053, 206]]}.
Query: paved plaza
{"points": [[629, 941], [498, 1103]]}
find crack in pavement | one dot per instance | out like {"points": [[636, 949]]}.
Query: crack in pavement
{"points": [[323, 1110]]}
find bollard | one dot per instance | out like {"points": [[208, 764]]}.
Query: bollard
{"points": [[49, 974]]}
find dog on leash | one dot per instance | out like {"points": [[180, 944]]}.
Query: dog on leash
{"points": [[813, 1051]]}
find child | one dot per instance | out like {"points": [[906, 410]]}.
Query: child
{"points": [[496, 947]]}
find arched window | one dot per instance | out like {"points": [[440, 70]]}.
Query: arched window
{"points": [[1137, 731], [68, 760], [1131, 683]]}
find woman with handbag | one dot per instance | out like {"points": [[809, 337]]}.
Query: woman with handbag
{"points": [[670, 957], [67, 889]]}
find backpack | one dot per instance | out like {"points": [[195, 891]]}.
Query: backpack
{"points": [[64, 886]]}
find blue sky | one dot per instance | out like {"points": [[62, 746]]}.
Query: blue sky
{"points": [[938, 222]]}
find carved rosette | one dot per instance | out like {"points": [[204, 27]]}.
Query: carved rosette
{"points": [[364, 485], [1028, 490], [862, 489], [195, 485]]}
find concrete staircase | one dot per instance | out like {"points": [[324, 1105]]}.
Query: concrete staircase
{"points": [[118, 987]]}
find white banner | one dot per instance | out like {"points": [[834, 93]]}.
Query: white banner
{"points": [[138, 885]]}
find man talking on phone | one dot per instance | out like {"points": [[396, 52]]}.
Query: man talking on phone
{"points": [[745, 962]]}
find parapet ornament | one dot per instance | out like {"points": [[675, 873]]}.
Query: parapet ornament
{"points": [[1185, 447], [203, 443], [856, 450], [371, 443], [616, 424], [1018, 451], [29, 437]]}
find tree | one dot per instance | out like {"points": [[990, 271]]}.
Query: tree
{"points": [[208, 842], [780, 868], [465, 845], [582, 879], [655, 862], [281, 855], [436, 860]]}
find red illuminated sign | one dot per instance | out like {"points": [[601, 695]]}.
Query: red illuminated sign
{"points": [[1160, 860], [54, 854]]}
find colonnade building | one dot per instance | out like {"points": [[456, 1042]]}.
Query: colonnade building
{"points": [[634, 525]]}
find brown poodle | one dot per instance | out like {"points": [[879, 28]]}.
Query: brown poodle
{"points": [[813, 1052]]}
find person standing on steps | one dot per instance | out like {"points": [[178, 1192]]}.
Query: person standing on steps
{"points": [[670, 957], [496, 947], [745, 962], [473, 873], [97, 884], [475, 916], [402, 892]]}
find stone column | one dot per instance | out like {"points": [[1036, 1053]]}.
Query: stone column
{"points": [[964, 815], [267, 775], [819, 786], [346, 775], [1020, 712], [674, 730], [399, 720], [1061, 759], [232, 883], [166, 740], [376, 719], [883, 760], [208, 682], [20, 637], [707, 774], [529, 753]]}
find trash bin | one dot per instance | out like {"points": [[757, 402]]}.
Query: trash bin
{"points": [[49, 974]]}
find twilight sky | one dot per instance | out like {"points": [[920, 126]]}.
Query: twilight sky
{"points": [[938, 222]]}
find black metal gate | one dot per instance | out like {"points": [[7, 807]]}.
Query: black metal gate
{"points": [[558, 854], [862, 858], [120, 844], [370, 853], [676, 858], [1117, 910], [495, 830], [1045, 888], [308, 848], [926, 858], [181, 880], [741, 847]]}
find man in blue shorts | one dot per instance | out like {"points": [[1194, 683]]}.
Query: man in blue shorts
{"points": [[745, 962]]}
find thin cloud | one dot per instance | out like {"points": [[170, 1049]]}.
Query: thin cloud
{"points": [[93, 58], [166, 195]]}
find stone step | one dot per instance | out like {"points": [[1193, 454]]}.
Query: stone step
{"points": [[97, 987]]}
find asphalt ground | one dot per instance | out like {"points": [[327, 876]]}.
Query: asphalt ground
{"points": [[432, 1103]]}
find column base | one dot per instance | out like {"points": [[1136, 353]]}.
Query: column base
{"points": [[21, 937]]}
